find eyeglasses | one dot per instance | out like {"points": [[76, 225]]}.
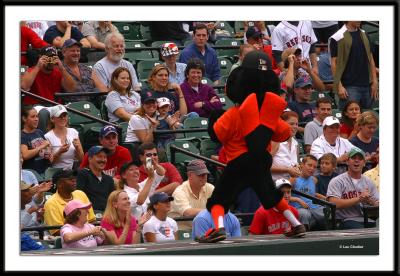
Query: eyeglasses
{"points": [[149, 154]]}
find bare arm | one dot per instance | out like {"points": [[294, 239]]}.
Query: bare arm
{"points": [[99, 85], [95, 43], [85, 43], [169, 189], [122, 114]]}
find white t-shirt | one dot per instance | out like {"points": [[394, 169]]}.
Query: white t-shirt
{"points": [[139, 210], [164, 230], [66, 160], [136, 122], [320, 146], [115, 100], [285, 157]]}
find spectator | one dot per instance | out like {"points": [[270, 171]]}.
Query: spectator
{"points": [[330, 141], [302, 104], [260, 26], [191, 197], [166, 122], [47, 77], [115, 51], [77, 232], [348, 127], [167, 30], [255, 38], [327, 164], [353, 67], [200, 98], [367, 123], [271, 221], [203, 221], [159, 82], [200, 49], [80, 73], [373, 173], [243, 50], [121, 102], [118, 225], [139, 192], [35, 149], [39, 27], [313, 129], [172, 178], [29, 37], [352, 190], [65, 181], [299, 34], [160, 228], [176, 70], [64, 141], [296, 67], [143, 122], [96, 32], [57, 34], [30, 211], [117, 155], [286, 154], [311, 215], [93, 181]]}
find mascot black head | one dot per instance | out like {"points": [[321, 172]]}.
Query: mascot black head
{"points": [[255, 75]]}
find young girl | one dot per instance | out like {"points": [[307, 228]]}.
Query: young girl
{"points": [[348, 127]]}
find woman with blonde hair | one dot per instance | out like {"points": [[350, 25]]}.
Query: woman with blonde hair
{"points": [[65, 144], [122, 101], [118, 225]]}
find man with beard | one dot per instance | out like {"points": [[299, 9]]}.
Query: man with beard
{"points": [[93, 181], [57, 34], [47, 77], [81, 73], [115, 50], [66, 191], [351, 190]]}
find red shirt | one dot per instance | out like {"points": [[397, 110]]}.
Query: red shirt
{"points": [[171, 175], [45, 85], [268, 50], [345, 129], [270, 221], [114, 162], [28, 36]]}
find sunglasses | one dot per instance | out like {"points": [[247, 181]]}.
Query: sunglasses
{"points": [[150, 154]]}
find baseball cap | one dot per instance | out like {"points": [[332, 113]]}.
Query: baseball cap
{"points": [[96, 149], [70, 42], [257, 60], [197, 166], [75, 204], [147, 96], [25, 186], [160, 197], [303, 81], [291, 51], [63, 174], [48, 51], [56, 111], [330, 120], [105, 130], [169, 49], [252, 32], [163, 101], [127, 165], [280, 182], [355, 151]]}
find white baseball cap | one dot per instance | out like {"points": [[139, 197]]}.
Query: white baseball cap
{"points": [[163, 101], [280, 182], [330, 120], [57, 110]]}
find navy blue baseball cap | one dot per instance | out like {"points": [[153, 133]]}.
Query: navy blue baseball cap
{"points": [[160, 197], [96, 149], [107, 130], [253, 32], [147, 96], [49, 51], [70, 42], [303, 81]]}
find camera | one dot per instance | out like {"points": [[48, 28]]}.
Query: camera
{"points": [[149, 163]]}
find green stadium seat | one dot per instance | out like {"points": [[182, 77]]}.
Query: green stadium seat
{"points": [[184, 234], [180, 157], [232, 54], [207, 81], [145, 32], [223, 25], [239, 27], [104, 111], [136, 56], [225, 66], [144, 68], [58, 243], [226, 102], [187, 42], [198, 122], [133, 44], [158, 43], [337, 113], [208, 147]]}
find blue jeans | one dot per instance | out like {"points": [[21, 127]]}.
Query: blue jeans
{"points": [[361, 94], [352, 224]]}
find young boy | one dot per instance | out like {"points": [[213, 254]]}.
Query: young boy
{"points": [[167, 121], [271, 221], [311, 215], [327, 166]]}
